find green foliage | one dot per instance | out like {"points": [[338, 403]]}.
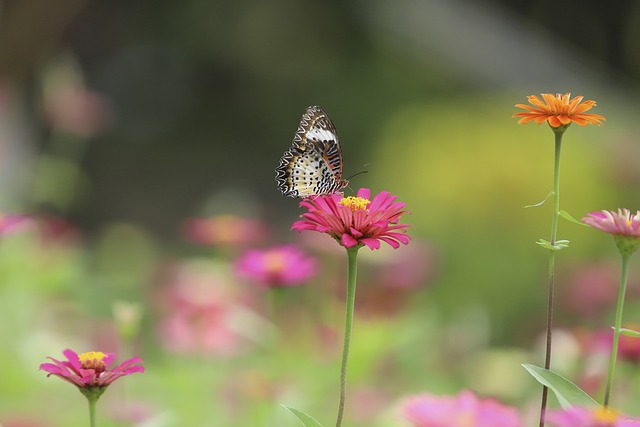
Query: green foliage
{"points": [[567, 393], [306, 420]]}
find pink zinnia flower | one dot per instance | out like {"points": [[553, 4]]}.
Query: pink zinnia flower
{"points": [[582, 417], [354, 221], [10, 223], [225, 230], [91, 370], [464, 410], [628, 347], [279, 266], [622, 225], [204, 312]]}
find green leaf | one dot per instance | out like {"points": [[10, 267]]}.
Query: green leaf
{"points": [[566, 215], [540, 203], [306, 420], [560, 244], [567, 393], [630, 332]]}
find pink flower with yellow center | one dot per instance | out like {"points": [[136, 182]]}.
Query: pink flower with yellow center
{"points": [[354, 221], [464, 410], [91, 370], [279, 266], [622, 225], [582, 417], [225, 230]]}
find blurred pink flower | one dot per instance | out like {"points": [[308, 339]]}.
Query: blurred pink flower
{"points": [[354, 221], [133, 413], [367, 405], [200, 331], [591, 289], [90, 370], [11, 223], [581, 417], [203, 311], [628, 347], [77, 111], [464, 410], [279, 266], [623, 225], [225, 230], [53, 228], [21, 421]]}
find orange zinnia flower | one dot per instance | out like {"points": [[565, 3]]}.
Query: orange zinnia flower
{"points": [[558, 110]]}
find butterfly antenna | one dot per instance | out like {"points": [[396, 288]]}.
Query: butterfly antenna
{"points": [[360, 172], [356, 174]]}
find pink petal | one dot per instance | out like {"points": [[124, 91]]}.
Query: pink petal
{"points": [[73, 359], [348, 241], [365, 193], [371, 243], [356, 233]]}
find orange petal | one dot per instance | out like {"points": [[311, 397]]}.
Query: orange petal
{"points": [[534, 100], [554, 122], [565, 120]]}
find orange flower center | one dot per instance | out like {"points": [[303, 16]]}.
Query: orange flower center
{"points": [[605, 416], [93, 360], [274, 262], [224, 227], [355, 203]]}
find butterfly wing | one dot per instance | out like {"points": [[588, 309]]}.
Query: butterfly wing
{"points": [[313, 164]]}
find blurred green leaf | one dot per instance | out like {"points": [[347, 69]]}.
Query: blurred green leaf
{"points": [[541, 202], [560, 244], [305, 419], [566, 215], [630, 332], [567, 393]]}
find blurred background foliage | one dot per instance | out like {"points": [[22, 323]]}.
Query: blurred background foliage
{"points": [[120, 121]]}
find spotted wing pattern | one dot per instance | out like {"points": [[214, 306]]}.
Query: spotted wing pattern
{"points": [[313, 164]]}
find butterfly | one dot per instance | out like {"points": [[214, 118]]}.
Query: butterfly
{"points": [[313, 164]]}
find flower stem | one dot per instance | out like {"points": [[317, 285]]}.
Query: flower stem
{"points": [[552, 263], [352, 254], [616, 329], [92, 411]]}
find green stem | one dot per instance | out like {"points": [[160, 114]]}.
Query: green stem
{"points": [[616, 330], [92, 412], [552, 263], [352, 255]]}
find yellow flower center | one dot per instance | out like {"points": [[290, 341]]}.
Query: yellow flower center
{"points": [[606, 416], [274, 262], [93, 360], [355, 203]]}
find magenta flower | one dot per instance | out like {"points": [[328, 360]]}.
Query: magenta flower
{"points": [[10, 223], [582, 417], [355, 221], [205, 312], [622, 225], [225, 230], [91, 370], [464, 410], [279, 266]]}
